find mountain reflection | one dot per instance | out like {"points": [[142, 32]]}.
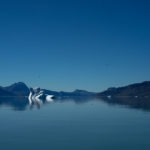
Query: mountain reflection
{"points": [[22, 103], [16, 103], [142, 103]]}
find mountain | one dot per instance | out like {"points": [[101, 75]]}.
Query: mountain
{"points": [[63, 94], [17, 89], [133, 90], [4, 92], [21, 89]]}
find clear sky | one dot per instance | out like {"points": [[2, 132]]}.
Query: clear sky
{"points": [[74, 44]]}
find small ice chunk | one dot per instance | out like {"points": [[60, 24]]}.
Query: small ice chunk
{"points": [[109, 96], [49, 98]]}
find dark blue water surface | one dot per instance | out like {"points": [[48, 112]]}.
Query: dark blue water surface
{"points": [[69, 125]]}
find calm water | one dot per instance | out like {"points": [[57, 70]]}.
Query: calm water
{"points": [[90, 125]]}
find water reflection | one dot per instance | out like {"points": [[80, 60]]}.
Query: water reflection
{"points": [[142, 103], [23, 103], [16, 103]]}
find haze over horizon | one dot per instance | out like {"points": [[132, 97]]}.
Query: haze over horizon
{"points": [[68, 45]]}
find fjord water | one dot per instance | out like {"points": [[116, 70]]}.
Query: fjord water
{"points": [[70, 125]]}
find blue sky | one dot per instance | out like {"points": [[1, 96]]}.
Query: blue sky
{"points": [[67, 45]]}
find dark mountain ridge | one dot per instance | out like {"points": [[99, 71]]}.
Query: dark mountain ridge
{"points": [[18, 89], [21, 89], [63, 94], [136, 90], [4, 92]]}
